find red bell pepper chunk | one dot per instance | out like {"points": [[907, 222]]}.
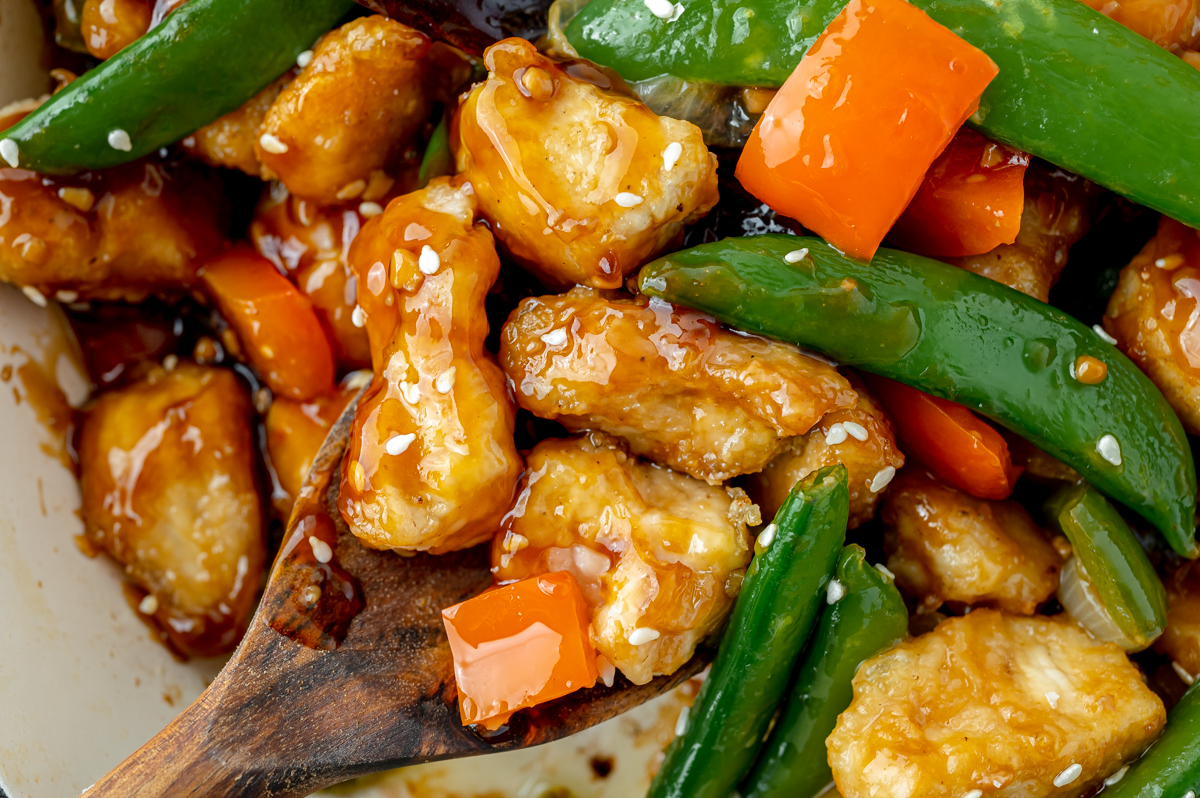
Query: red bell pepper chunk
{"points": [[959, 448], [274, 322], [847, 140], [519, 645], [969, 203]]}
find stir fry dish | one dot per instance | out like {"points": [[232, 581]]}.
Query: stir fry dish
{"points": [[856, 344]]}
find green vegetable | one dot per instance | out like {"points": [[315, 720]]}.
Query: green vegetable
{"points": [[868, 619], [962, 337], [204, 60], [1116, 566], [438, 160], [1076, 88], [1171, 768], [783, 591]]}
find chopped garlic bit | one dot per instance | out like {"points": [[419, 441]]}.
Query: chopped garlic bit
{"points": [[429, 262], [627, 200], [643, 635], [671, 155], [119, 140], [320, 549], [1069, 775], [834, 592], [882, 478], [272, 144], [1109, 449]]}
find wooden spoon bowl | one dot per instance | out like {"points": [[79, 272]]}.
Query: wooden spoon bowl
{"points": [[345, 670]]}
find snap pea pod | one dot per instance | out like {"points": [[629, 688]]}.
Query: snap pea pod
{"points": [[869, 618], [438, 159], [1075, 87], [961, 337], [1171, 768], [1115, 563], [204, 60], [782, 593]]}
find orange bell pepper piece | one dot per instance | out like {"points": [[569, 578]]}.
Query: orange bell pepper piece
{"points": [[969, 203], [519, 645], [959, 448], [846, 142], [275, 323]]}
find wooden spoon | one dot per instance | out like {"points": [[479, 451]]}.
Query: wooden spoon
{"points": [[345, 670]]}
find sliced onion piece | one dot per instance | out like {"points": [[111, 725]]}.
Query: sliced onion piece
{"points": [[1081, 601]]}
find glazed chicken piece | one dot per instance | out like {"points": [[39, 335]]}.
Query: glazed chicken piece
{"points": [[946, 545], [229, 140], [1155, 317], [121, 234], [108, 26], [167, 471], [1181, 640], [349, 112], [658, 555], [992, 704], [295, 432], [1171, 24], [683, 391], [581, 182], [431, 463], [860, 437], [1058, 212]]}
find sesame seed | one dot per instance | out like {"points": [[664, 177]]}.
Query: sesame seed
{"points": [[834, 592], [445, 381], [66, 296], [1183, 674], [796, 255], [663, 9], [643, 635], [170, 362], [882, 478], [555, 337], [352, 189], [429, 262], [10, 152], [767, 536], [1189, 794], [606, 669], [148, 605], [35, 296], [973, 794], [1120, 774], [369, 209], [681, 721], [1052, 699], [398, 444], [320, 549], [835, 434], [1110, 449], [1103, 335], [1069, 775], [410, 392], [883, 569], [671, 155], [272, 144], [119, 140], [359, 317], [856, 431], [304, 59], [627, 200]]}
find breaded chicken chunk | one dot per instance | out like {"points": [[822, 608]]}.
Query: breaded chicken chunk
{"points": [[123, 233], [229, 140], [684, 391], [659, 555], [1181, 639], [1155, 316], [946, 545], [1058, 212], [989, 702], [860, 437], [431, 463], [1171, 24], [581, 182], [167, 470], [349, 112]]}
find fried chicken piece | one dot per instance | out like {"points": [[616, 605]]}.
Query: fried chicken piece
{"points": [[167, 472], [581, 182], [946, 545], [295, 432], [1171, 24], [859, 437], [120, 234], [683, 391], [349, 112], [431, 463], [1058, 212], [229, 140], [990, 702], [1181, 640], [108, 26], [658, 555], [1155, 317]]}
